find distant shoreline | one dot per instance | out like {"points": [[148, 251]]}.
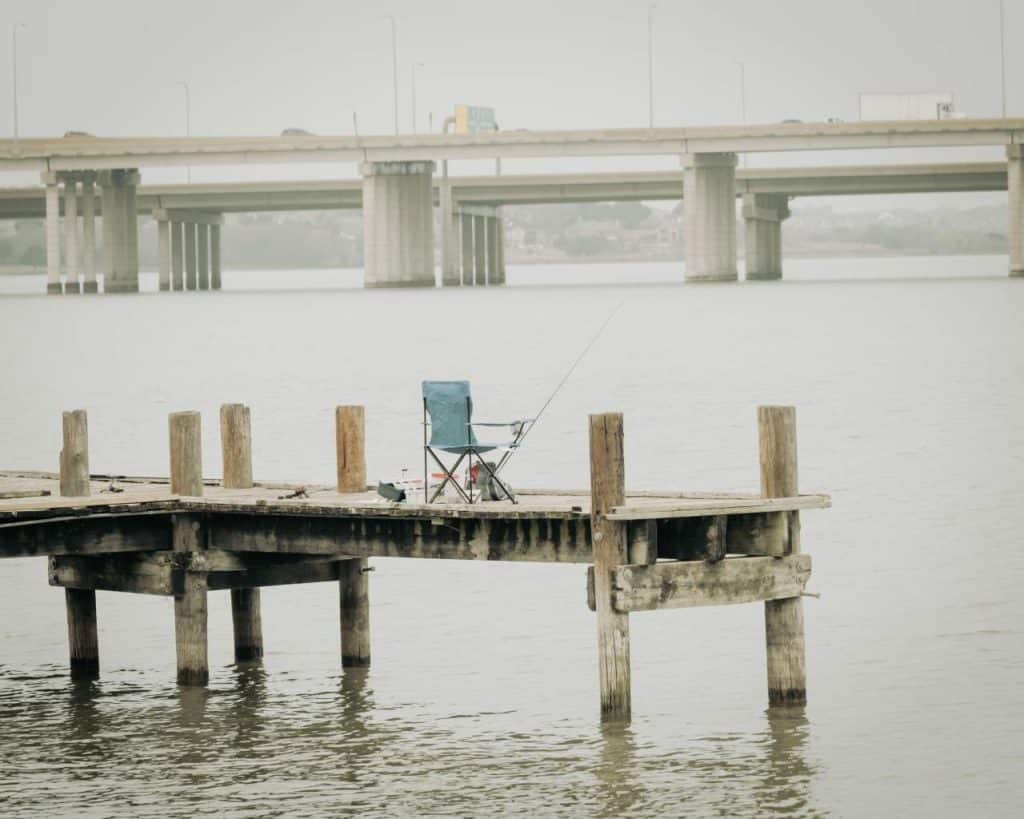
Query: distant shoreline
{"points": [[28, 270]]}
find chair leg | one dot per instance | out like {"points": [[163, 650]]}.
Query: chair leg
{"points": [[448, 476]]}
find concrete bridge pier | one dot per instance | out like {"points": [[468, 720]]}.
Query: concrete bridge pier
{"points": [[89, 285], [1015, 185], [53, 282], [763, 215], [71, 268], [120, 230], [188, 249], [483, 245], [451, 258], [709, 217], [398, 224]]}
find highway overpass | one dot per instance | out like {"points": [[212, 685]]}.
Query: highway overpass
{"points": [[399, 189]]}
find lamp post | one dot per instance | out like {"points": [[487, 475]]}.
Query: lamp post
{"points": [[394, 63], [650, 64], [188, 124], [1002, 57], [414, 67], [743, 100], [14, 73]]}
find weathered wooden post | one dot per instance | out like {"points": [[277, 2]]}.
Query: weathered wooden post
{"points": [[80, 604], [608, 490], [236, 451], [190, 603], [783, 619], [350, 429], [74, 457]]}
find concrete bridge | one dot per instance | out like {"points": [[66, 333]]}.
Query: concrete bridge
{"points": [[398, 191]]}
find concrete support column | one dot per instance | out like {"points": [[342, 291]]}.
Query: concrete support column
{"points": [[163, 250], [480, 250], [763, 215], [107, 208], [709, 216], [121, 231], [398, 224], [71, 261], [492, 249], [89, 233], [500, 278], [191, 278], [203, 254], [215, 257], [177, 255], [466, 230], [451, 264], [53, 284], [1015, 180]]}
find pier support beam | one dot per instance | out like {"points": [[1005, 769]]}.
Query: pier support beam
{"points": [[398, 224], [480, 250], [236, 452], [215, 280], [763, 215], [451, 263], [354, 584], [89, 232], [191, 277], [493, 226], [71, 262], [203, 254], [190, 607], [783, 619], [53, 283], [177, 255], [1015, 185], [709, 217], [79, 604], [163, 251], [468, 258], [120, 230], [608, 490]]}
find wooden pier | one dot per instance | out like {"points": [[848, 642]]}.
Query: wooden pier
{"points": [[185, 537]]}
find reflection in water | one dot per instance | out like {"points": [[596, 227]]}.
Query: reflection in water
{"points": [[787, 783], [619, 789]]}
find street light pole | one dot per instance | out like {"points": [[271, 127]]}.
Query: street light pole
{"points": [[394, 63], [650, 64], [188, 124], [1002, 57], [414, 67], [743, 100], [14, 73]]}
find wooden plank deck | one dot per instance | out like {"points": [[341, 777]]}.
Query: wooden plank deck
{"points": [[21, 498]]}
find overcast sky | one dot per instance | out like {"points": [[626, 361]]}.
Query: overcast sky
{"points": [[112, 67]]}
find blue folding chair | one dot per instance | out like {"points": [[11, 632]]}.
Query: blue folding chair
{"points": [[448, 427]]}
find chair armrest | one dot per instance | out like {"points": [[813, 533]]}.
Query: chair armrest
{"points": [[499, 423]]}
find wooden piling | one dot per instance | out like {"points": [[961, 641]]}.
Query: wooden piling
{"points": [[353, 581], [607, 490], [74, 456], [236, 446], [80, 604], [236, 450], [190, 616], [190, 612], [83, 643], [186, 454], [350, 434], [784, 619]]}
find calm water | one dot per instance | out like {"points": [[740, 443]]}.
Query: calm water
{"points": [[908, 375]]}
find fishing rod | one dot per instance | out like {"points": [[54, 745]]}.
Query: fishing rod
{"points": [[533, 422]]}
